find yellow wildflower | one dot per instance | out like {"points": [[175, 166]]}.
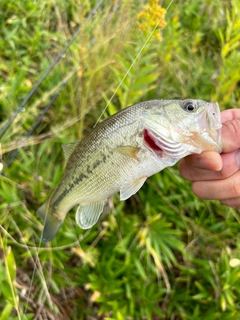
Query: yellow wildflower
{"points": [[152, 17]]}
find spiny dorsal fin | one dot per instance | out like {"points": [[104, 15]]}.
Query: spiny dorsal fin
{"points": [[128, 151], [88, 215], [68, 149]]}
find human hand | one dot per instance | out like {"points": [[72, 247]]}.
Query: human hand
{"points": [[217, 176]]}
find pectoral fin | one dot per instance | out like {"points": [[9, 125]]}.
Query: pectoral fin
{"points": [[128, 151], [87, 216], [127, 190]]}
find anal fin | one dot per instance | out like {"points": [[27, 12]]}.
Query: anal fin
{"points": [[127, 190], [88, 215]]}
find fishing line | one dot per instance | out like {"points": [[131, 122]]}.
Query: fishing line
{"points": [[133, 63], [113, 95], [52, 65], [35, 264], [39, 118], [53, 98]]}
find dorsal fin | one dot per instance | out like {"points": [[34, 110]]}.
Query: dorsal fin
{"points": [[68, 149]]}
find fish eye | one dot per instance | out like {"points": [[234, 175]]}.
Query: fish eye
{"points": [[189, 106]]}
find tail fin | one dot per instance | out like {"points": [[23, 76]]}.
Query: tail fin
{"points": [[50, 220]]}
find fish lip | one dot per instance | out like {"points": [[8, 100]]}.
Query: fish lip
{"points": [[213, 119]]}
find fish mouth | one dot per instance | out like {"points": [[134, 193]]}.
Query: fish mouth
{"points": [[181, 139], [207, 137], [213, 124]]}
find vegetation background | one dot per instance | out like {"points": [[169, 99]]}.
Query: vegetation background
{"points": [[163, 254]]}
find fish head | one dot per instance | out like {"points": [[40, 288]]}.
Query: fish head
{"points": [[180, 127]]}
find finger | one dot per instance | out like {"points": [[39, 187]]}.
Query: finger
{"points": [[231, 135], [218, 189], [198, 166], [230, 114], [230, 165], [233, 203], [206, 160]]}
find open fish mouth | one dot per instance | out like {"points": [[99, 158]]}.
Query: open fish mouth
{"points": [[213, 119], [210, 124], [176, 139]]}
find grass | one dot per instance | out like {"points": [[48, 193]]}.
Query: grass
{"points": [[163, 254]]}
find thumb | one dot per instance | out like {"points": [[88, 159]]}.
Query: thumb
{"points": [[231, 135]]}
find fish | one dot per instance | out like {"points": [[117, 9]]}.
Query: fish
{"points": [[122, 151]]}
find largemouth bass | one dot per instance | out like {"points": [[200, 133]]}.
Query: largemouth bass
{"points": [[123, 150]]}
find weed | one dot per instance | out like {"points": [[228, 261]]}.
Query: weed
{"points": [[163, 254]]}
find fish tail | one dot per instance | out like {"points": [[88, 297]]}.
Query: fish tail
{"points": [[51, 221]]}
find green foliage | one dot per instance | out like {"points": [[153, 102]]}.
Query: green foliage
{"points": [[163, 254]]}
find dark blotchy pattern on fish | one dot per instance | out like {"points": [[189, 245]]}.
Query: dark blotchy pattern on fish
{"points": [[122, 151]]}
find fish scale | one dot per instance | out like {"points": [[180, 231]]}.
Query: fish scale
{"points": [[123, 150]]}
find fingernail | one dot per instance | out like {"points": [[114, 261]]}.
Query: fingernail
{"points": [[210, 164], [201, 163]]}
